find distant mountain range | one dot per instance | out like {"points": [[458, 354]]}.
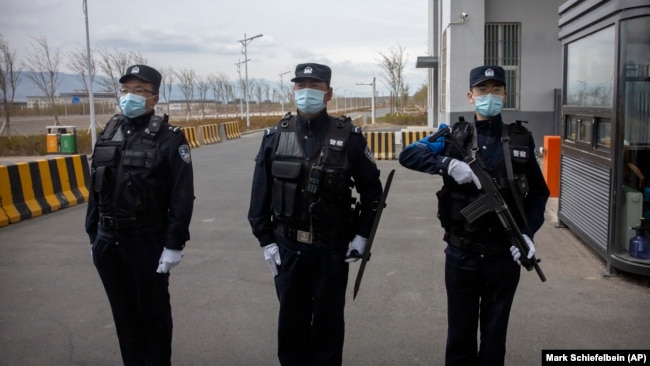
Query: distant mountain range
{"points": [[68, 83]]}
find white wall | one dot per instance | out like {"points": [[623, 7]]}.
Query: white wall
{"points": [[541, 52]]}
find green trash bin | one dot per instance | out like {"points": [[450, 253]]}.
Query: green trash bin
{"points": [[68, 143]]}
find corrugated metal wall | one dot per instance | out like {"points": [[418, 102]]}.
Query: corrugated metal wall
{"points": [[584, 198]]}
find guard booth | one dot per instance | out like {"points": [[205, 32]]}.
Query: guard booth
{"points": [[61, 140], [605, 148]]}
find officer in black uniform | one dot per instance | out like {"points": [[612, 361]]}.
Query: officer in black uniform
{"points": [[138, 216], [480, 275], [303, 213]]}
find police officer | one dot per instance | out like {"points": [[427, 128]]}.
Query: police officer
{"points": [[480, 275], [138, 216], [302, 212]]}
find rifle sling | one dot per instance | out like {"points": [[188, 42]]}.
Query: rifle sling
{"points": [[516, 193]]}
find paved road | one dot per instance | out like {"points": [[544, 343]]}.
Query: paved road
{"points": [[53, 310]]}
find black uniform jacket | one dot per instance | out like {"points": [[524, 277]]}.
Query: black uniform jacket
{"points": [[362, 166], [171, 180], [420, 158]]}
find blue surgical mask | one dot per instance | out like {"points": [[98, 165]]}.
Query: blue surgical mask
{"points": [[310, 101], [488, 105], [133, 105]]}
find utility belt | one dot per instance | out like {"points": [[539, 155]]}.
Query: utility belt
{"points": [[482, 248], [125, 223], [304, 235]]}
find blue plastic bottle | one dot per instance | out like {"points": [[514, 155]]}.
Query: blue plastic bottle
{"points": [[639, 246]]}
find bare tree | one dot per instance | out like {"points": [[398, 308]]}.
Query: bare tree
{"points": [[78, 64], [257, 87], [42, 64], [226, 91], [266, 90], [202, 87], [166, 86], [9, 79], [186, 79], [217, 90], [229, 87], [392, 65], [113, 65]]}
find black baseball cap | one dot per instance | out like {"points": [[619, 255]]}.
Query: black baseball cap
{"points": [[144, 73], [313, 71], [485, 73]]}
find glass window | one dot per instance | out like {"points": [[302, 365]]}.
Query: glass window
{"points": [[571, 128], [502, 47], [635, 61], [584, 131], [604, 126], [590, 70]]}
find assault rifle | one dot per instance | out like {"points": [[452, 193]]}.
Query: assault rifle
{"points": [[491, 200]]}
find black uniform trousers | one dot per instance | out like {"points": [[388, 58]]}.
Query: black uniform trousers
{"points": [[311, 287], [480, 291], [138, 295]]}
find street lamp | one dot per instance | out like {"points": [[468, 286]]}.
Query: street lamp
{"points": [[372, 108], [245, 43]]}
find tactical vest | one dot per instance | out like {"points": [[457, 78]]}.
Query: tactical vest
{"points": [[454, 197], [312, 194], [122, 181]]}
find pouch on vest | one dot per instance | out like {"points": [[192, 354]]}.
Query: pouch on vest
{"points": [[285, 185], [138, 158], [105, 156]]}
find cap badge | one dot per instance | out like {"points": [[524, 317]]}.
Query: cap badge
{"points": [[489, 73], [308, 70], [135, 70]]}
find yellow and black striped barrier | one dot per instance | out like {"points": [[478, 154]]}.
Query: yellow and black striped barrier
{"points": [[382, 144], [210, 134], [409, 137], [231, 130], [190, 135], [35, 188]]}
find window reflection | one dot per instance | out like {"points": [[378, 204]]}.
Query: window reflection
{"points": [[590, 70]]}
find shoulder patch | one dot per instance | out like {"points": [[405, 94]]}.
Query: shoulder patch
{"points": [[356, 130], [185, 153], [174, 129], [369, 154]]}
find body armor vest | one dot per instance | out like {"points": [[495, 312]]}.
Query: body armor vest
{"points": [[454, 197], [312, 193], [122, 179]]}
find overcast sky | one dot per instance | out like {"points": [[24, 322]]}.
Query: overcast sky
{"points": [[203, 35]]}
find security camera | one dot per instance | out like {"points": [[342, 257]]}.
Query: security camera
{"points": [[464, 15]]}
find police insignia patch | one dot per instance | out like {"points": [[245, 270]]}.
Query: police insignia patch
{"points": [[369, 155], [184, 151]]}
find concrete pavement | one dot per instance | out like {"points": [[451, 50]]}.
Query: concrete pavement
{"points": [[53, 310]]}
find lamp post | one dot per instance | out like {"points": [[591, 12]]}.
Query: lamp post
{"points": [[282, 73], [91, 93], [245, 43], [241, 111], [372, 107]]}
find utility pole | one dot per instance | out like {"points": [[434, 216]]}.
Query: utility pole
{"points": [[245, 43], [241, 107], [282, 73], [372, 101]]}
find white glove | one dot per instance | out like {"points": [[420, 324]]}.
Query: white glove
{"points": [[516, 254], [356, 249], [169, 259], [272, 257], [462, 173]]}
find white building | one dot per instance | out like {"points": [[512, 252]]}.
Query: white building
{"points": [[521, 36]]}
